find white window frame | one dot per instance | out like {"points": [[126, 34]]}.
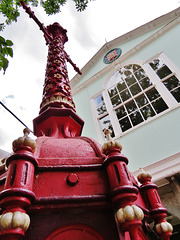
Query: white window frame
{"points": [[96, 119], [156, 82], [163, 91]]}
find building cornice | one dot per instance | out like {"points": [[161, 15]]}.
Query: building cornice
{"points": [[163, 169]]}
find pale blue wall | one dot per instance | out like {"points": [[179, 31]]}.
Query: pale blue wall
{"points": [[168, 43], [84, 111], [126, 46], [155, 140]]}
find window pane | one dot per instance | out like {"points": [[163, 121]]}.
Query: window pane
{"points": [[112, 92], [147, 112], [98, 100], [136, 67], [176, 94], [101, 109], [131, 106], [152, 94], [171, 83], [136, 118], [156, 63], [125, 95], [121, 112], [163, 72], [140, 74], [159, 105], [130, 66], [130, 80], [135, 89], [115, 78], [100, 105], [105, 122], [116, 101], [141, 100], [125, 124], [121, 86], [112, 131], [127, 73], [145, 83]]}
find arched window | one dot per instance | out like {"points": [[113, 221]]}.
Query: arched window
{"points": [[133, 96], [135, 93]]}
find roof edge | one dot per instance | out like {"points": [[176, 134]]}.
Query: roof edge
{"points": [[128, 54], [170, 16]]}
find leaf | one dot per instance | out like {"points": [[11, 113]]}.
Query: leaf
{"points": [[3, 62], [81, 5], [9, 42], [2, 26], [10, 51], [2, 40], [3, 51]]}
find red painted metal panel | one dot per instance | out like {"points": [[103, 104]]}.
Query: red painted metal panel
{"points": [[80, 232], [89, 183]]}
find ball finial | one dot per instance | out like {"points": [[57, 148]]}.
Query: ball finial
{"points": [[24, 141], [110, 144], [142, 176], [26, 131]]}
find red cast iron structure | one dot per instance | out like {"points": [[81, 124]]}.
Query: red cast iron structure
{"points": [[65, 186]]}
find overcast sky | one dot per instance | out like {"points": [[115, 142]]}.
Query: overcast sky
{"points": [[22, 85]]}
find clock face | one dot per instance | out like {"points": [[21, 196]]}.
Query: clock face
{"points": [[112, 55]]}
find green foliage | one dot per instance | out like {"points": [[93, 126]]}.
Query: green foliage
{"points": [[10, 8], [52, 6], [5, 51], [81, 5], [10, 11], [2, 26]]}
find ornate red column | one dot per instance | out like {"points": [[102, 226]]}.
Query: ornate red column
{"points": [[123, 193], [157, 211], [57, 92], [17, 194], [57, 110]]}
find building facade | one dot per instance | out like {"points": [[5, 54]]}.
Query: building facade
{"points": [[132, 87]]}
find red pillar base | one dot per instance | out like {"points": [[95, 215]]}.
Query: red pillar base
{"points": [[11, 234]]}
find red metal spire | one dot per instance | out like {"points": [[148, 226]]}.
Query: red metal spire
{"points": [[57, 92], [57, 110]]}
